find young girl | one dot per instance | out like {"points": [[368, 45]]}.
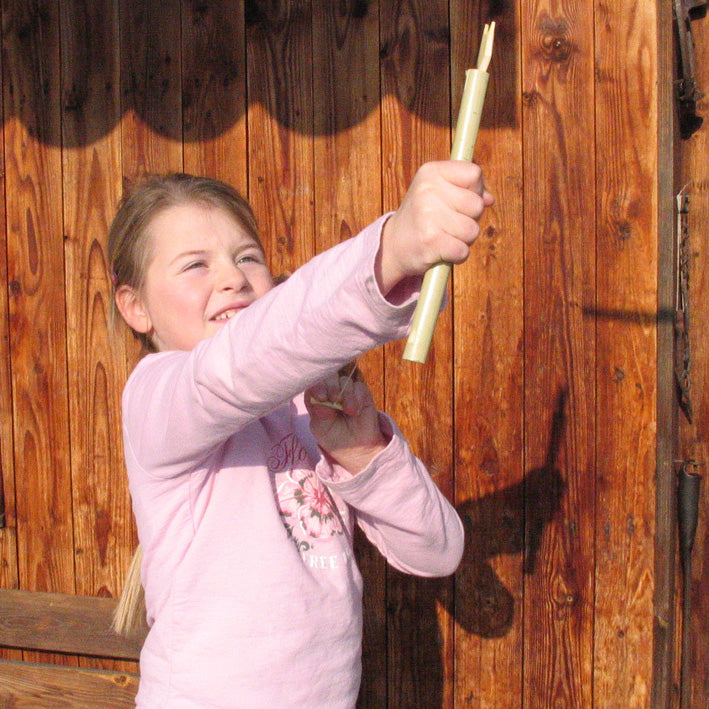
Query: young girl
{"points": [[250, 459]]}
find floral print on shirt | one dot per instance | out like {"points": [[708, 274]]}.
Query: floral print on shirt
{"points": [[305, 504]]}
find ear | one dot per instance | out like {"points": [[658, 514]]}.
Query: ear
{"points": [[132, 310]]}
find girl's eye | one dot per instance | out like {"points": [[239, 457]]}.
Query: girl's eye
{"points": [[248, 258], [194, 264]]}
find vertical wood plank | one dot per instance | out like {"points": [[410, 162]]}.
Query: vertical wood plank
{"points": [[151, 95], [489, 382], [694, 437], [280, 125], [665, 566], [214, 90], [91, 168], [560, 304], [626, 147], [347, 198], [415, 60], [149, 137], [104, 533], [35, 273], [8, 567], [8, 537]]}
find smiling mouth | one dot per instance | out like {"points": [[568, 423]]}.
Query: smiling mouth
{"points": [[225, 315]]}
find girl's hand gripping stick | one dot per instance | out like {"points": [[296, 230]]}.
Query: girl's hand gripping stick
{"points": [[435, 280]]}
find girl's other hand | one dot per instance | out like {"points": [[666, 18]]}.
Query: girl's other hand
{"points": [[436, 221], [344, 420]]}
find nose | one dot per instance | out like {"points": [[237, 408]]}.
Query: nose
{"points": [[231, 277]]}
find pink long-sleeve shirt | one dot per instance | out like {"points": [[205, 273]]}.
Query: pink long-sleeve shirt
{"points": [[253, 595]]}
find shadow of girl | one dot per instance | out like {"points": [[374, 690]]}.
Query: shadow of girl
{"points": [[508, 521]]}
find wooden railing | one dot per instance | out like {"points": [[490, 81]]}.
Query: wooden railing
{"points": [[72, 625]]}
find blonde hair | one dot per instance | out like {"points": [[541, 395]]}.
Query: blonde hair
{"points": [[130, 610], [129, 234]]}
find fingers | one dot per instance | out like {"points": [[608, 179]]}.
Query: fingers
{"points": [[440, 190], [467, 175], [467, 198], [458, 172], [468, 203], [462, 234], [343, 391], [324, 397], [437, 220]]}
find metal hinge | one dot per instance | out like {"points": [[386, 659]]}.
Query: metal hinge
{"points": [[686, 90]]}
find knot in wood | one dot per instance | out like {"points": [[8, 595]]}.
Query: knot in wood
{"points": [[531, 98], [555, 42], [15, 287]]}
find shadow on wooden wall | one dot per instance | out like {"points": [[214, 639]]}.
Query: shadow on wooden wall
{"points": [[220, 52], [510, 521]]}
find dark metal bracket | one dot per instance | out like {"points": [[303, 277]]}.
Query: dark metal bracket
{"points": [[688, 488], [682, 354], [686, 90]]}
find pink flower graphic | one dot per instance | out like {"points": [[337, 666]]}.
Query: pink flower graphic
{"points": [[304, 502]]}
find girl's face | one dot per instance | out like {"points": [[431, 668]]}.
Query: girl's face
{"points": [[203, 269]]}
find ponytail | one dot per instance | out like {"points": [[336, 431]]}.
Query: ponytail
{"points": [[130, 610]]}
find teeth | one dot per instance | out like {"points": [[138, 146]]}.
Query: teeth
{"points": [[225, 315]]}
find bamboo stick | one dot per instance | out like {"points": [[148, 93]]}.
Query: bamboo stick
{"points": [[435, 280]]}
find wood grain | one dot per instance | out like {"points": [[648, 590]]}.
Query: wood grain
{"points": [[33, 686], [694, 437], [151, 87], [626, 374], [35, 272], [489, 383], [214, 90], [538, 411], [415, 60], [8, 531], [64, 623], [97, 355], [665, 562], [347, 197], [280, 125], [560, 301]]}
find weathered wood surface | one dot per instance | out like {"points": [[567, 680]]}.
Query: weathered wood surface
{"points": [[8, 537], [626, 379], [489, 387], [347, 197], [415, 60], [280, 125], [151, 81], [25, 685], [537, 411], [665, 567], [214, 90], [694, 441], [103, 529], [559, 324], [66, 623], [37, 297]]}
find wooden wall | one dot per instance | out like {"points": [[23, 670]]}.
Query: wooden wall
{"points": [[694, 436], [538, 410]]}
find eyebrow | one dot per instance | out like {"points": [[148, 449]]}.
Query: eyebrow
{"points": [[188, 254], [245, 246]]}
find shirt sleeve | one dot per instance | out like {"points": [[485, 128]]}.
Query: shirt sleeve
{"points": [[400, 509], [178, 406]]}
